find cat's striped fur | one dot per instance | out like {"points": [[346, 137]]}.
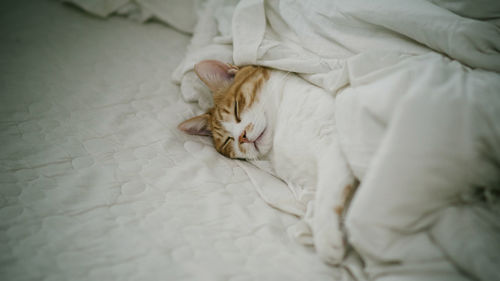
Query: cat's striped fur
{"points": [[231, 101]]}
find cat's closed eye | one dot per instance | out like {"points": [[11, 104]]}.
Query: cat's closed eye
{"points": [[225, 142]]}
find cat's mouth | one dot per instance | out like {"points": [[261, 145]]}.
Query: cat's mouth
{"points": [[258, 139]]}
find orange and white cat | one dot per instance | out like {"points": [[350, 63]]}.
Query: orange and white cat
{"points": [[266, 114]]}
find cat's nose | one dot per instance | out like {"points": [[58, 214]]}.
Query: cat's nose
{"points": [[243, 137]]}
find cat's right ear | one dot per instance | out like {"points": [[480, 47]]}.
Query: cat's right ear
{"points": [[217, 75], [197, 125]]}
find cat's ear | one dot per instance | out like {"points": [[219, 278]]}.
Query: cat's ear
{"points": [[197, 125], [215, 74]]}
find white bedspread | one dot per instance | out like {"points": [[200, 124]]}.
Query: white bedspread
{"points": [[97, 183]]}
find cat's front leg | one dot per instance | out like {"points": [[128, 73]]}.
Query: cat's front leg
{"points": [[335, 185]]}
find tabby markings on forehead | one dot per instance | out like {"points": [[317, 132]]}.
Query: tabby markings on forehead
{"points": [[229, 106]]}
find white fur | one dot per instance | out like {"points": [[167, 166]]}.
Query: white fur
{"points": [[300, 142]]}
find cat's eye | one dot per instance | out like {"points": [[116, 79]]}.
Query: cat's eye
{"points": [[236, 112], [225, 142]]}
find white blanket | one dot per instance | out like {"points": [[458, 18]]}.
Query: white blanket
{"points": [[418, 107], [180, 14]]}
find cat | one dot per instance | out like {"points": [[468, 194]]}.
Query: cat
{"points": [[265, 114]]}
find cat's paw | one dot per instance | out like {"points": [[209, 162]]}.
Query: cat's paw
{"points": [[330, 244]]}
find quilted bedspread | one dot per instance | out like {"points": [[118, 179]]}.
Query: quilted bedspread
{"points": [[96, 183]]}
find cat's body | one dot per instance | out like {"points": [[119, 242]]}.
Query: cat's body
{"points": [[271, 115], [304, 126]]}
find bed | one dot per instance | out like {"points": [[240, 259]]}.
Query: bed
{"points": [[97, 183]]}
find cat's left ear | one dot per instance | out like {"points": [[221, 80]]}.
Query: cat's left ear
{"points": [[197, 125], [217, 75]]}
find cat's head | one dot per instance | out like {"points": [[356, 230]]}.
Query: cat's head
{"points": [[237, 122]]}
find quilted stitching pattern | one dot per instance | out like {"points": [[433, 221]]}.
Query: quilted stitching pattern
{"points": [[96, 182]]}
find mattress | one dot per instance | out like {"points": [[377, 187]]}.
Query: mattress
{"points": [[96, 181]]}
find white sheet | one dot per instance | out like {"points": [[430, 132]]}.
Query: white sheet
{"points": [[96, 182], [418, 128], [179, 14]]}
